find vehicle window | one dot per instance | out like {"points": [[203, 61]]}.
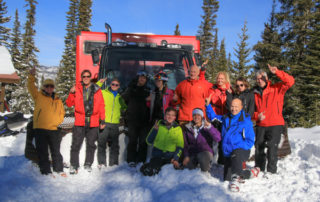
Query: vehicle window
{"points": [[125, 66]]}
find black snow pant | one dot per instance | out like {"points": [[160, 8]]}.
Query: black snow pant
{"points": [[78, 135], [109, 135], [137, 146], [267, 137], [52, 139], [154, 166], [233, 164], [204, 159]]}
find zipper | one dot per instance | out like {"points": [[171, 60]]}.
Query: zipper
{"points": [[278, 107], [112, 107], [38, 115]]}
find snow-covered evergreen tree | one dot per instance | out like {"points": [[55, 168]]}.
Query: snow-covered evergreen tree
{"points": [[4, 31], [241, 68], [66, 74], [21, 99]]}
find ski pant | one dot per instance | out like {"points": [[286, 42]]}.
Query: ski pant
{"points": [[52, 139], [109, 135], [233, 164], [204, 159], [267, 137], [154, 166], [137, 146], [78, 135]]}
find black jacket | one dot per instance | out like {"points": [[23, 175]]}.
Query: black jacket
{"points": [[247, 98], [135, 98]]}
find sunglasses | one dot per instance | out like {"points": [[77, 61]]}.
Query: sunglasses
{"points": [[49, 86], [115, 84], [241, 85], [86, 76]]}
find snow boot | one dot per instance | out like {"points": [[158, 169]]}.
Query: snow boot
{"points": [[73, 170], [254, 172], [101, 166], [88, 168], [234, 185]]}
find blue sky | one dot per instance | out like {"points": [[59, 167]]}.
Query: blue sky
{"points": [[149, 16]]}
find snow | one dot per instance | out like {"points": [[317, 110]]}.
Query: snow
{"points": [[298, 178], [5, 61]]}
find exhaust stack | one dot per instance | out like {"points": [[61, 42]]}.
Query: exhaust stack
{"points": [[109, 32]]}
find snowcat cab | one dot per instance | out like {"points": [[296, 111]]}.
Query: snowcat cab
{"points": [[122, 55]]}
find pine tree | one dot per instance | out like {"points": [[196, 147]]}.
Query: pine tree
{"points": [[16, 44], [15, 50], [21, 99], [84, 15], [222, 63], [241, 68], [206, 29], [298, 30], [268, 51], [66, 74], [212, 67], [4, 31], [177, 30]]}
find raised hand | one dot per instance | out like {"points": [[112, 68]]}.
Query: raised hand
{"points": [[208, 99], [73, 89], [273, 69], [207, 123], [103, 80], [175, 98], [156, 126], [261, 116], [33, 71]]}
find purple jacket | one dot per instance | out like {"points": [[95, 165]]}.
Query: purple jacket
{"points": [[203, 142]]}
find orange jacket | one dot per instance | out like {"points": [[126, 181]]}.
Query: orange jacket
{"points": [[191, 94], [76, 100], [48, 111], [219, 99], [271, 100]]}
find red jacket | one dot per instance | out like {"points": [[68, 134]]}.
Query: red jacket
{"points": [[271, 100], [219, 99], [76, 99], [191, 94]]}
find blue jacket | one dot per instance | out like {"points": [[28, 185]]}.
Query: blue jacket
{"points": [[237, 131]]}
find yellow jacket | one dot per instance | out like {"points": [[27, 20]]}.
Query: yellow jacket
{"points": [[48, 112]]}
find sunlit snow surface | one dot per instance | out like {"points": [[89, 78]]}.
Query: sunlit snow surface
{"points": [[298, 178]]}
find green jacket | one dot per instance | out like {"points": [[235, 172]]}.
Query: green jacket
{"points": [[167, 140], [113, 105]]}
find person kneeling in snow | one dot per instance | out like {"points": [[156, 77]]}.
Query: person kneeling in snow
{"points": [[167, 140], [47, 116], [198, 138], [237, 140]]}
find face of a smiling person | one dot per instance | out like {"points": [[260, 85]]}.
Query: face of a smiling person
{"points": [[86, 78], [240, 86]]}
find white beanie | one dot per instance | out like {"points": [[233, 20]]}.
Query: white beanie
{"points": [[197, 111]]}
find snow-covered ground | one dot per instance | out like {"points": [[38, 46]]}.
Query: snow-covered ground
{"points": [[298, 178]]}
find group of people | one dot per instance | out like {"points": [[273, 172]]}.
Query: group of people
{"points": [[183, 137]]}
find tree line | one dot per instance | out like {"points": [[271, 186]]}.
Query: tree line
{"points": [[290, 40]]}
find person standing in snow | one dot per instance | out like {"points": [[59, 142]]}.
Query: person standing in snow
{"points": [[114, 105], [167, 140], [268, 116], [243, 92], [237, 140], [137, 117], [87, 99], [161, 98], [189, 94], [199, 136], [47, 116]]}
